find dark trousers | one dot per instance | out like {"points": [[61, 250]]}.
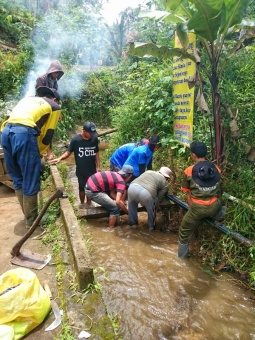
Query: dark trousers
{"points": [[22, 157]]}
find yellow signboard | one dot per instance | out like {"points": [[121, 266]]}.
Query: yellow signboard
{"points": [[183, 96]]}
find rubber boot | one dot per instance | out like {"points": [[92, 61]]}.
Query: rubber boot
{"points": [[30, 208], [19, 194], [183, 250], [112, 221], [220, 214]]}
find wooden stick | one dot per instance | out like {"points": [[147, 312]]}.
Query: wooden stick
{"points": [[16, 249]]}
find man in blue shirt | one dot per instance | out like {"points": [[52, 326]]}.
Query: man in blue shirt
{"points": [[120, 155], [141, 157]]}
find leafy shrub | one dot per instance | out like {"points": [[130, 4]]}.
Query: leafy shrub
{"points": [[13, 68], [16, 51], [97, 93], [15, 24], [147, 106]]}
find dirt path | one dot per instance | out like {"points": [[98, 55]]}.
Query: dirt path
{"points": [[12, 226]]}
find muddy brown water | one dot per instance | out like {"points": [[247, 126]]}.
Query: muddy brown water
{"points": [[156, 295]]}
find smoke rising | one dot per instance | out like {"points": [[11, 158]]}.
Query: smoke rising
{"points": [[76, 41], [78, 38]]}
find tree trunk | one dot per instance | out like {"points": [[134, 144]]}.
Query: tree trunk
{"points": [[107, 132], [216, 117]]}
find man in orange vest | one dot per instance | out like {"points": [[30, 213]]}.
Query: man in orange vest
{"points": [[201, 182]]}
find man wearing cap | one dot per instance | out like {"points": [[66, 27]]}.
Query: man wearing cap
{"points": [[108, 189], [201, 182], [26, 136], [120, 155], [86, 154], [148, 190], [141, 157]]}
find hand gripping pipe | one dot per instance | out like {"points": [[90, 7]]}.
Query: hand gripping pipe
{"points": [[221, 227]]}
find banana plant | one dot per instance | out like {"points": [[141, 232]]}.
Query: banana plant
{"points": [[214, 22]]}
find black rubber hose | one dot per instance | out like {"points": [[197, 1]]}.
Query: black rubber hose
{"points": [[219, 226]]}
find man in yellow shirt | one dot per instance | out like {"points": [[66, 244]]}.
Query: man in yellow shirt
{"points": [[26, 135]]}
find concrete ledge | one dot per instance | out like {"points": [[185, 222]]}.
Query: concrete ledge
{"points": [[82, 261]]}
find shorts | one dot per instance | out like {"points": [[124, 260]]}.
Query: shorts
{"points": [[82, 182]]}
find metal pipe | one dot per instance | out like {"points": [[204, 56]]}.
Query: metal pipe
{"points": [[221, 227]]}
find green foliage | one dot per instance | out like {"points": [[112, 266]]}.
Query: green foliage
{"points": [[15, 24], [213, 22], [102, 92], [65, 125], [63, 170], [66, 332], [147, 105], [52, 234], [129, 27], [92, 288], [239, 93], [115, 323], [252, 271], [15, 49], [152, 28], [13, 67], [237, 175], [98, 94]]}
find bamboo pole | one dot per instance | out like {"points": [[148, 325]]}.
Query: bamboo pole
{"points": [[107, 132], [238, 201]]}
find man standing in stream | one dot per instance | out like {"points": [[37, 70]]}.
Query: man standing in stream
{"points": [[201, 182]]}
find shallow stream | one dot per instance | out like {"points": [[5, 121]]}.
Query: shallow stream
{"points": [[157, 295]]}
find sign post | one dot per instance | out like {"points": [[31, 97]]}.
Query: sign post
{"points": [[183, 69]]}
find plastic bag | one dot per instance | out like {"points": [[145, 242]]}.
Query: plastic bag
{"points": [[24, 303], [6, 332]]}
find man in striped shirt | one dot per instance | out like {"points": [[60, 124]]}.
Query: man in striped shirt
{"points": [[108, 189]]}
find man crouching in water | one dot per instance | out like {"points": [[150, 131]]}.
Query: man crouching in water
{"points": [[108, 189]]}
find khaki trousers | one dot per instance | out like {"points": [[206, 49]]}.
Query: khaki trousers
{"points": [[194, 217]]}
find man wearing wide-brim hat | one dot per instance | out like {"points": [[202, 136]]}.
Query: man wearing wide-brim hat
{"points": [[201, 182], [26, 135]]}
